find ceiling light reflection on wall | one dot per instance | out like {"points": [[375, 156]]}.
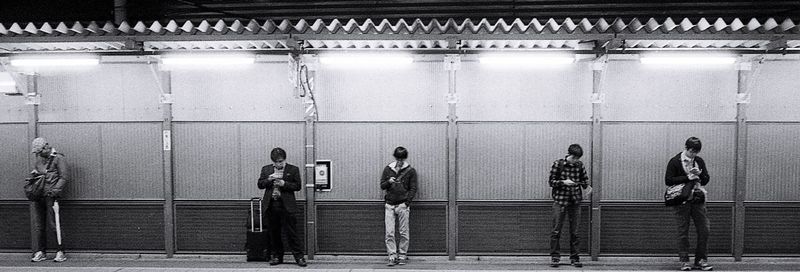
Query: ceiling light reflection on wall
{"points": [[210, 60], [54, 61], [366, 60], [687, 60], [524, 60]]}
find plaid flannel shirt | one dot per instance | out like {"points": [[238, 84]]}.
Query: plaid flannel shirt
{"points": [[564, 194]]}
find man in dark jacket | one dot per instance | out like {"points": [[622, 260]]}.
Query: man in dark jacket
{"points": [[399, 181], [280, 180], [687, 167], [53, 166]]}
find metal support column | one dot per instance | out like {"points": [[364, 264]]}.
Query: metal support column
{"points": [[452, 64], [743, 97], [597, 155], [310, 161], [167, 162], [32, 99]]}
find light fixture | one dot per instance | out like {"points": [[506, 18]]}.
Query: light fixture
{"points": [[55, 61], [207, 60], [687, 60], [7, 84], [366, 60], [525, 60]]}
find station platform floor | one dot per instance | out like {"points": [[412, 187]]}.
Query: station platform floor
{"points": [[92, 262]]}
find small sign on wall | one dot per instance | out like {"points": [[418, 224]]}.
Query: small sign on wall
{"points": [[322, 175], [167, 140]]}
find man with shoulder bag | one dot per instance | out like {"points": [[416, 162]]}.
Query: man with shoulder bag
{"points": [[687, 173], [45, 186]]}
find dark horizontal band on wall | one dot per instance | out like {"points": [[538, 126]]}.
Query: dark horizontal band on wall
{"points": [[519, 228], [359, 228], [217, 226], [129, 226]]}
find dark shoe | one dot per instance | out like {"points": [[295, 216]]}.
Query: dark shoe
{"points": [[554, 262], [685, 266], [301, 261], [402, 261], [702, 264], [275, 261], [576, 263]]}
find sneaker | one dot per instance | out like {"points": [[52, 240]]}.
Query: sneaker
{"points": [[60, 257], [392, 262], [301, 262], [554, 262], [402, 261], [702, 264], [38, 257], [576, 263], [685, 266]]}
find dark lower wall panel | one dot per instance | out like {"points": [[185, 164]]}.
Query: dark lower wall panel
{"points": [[359, 228], [15, 227], [514, 228], [90, 226], [220, 226], [772, 230], [113, 226], [651, 228]]}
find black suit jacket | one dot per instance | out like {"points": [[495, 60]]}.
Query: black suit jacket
{"points": [[291, 176]]}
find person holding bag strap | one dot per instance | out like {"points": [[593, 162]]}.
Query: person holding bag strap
{"points": [[52, 166], [689, 169], [399, 183]]}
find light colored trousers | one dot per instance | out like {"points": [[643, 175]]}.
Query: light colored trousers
{"points": [[401, 213]]}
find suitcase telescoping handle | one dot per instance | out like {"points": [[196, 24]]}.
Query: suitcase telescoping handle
{"points": [[252, 215]]}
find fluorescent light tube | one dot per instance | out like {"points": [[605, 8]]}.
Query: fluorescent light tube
{"points": [[6, 80], [207, 60], [53, 62], [687, 60], [366, 60], [525, 60]]}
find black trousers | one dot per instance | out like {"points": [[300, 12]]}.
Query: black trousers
{"points": [[43, 220], [282, 220]]}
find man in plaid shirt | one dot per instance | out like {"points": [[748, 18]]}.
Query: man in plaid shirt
{"points": [[568, 179]]}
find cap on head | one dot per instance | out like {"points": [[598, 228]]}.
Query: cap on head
{"points": [[38, 145]]}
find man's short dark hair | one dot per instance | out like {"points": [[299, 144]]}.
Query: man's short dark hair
{"points": [[277, 154], [400, 153], [575, 150], [694, 144]]}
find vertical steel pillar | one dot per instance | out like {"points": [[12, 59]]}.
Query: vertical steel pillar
{"points": [[597, 156], [167, 162], [743, 97], [452, 63], [32, 99], [310, 162]]}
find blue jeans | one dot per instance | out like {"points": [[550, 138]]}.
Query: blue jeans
{"points": [[401, 213], [560, 212], [698, 213]]}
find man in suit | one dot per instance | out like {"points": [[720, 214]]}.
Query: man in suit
{"points": [[280, 180]]}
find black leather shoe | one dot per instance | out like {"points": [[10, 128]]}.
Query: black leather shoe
{"points": [[301, 261], [275, 261]]}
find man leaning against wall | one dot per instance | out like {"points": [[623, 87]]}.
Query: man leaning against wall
{"points": [[399, 181], [51, 168]]}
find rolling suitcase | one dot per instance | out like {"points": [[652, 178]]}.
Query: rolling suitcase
{"points": [[257, 243]]}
